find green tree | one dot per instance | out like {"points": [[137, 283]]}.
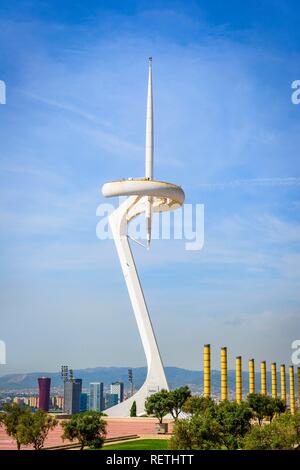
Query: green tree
{"points": [[133, 410], [235, 421], [158, 405], [283, 433], [195, 405], [264, 406], [33, 428], [89, 428], [176, 400], [276, 406], [200, 432], [11, 418]]}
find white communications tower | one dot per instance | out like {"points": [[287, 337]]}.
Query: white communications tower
{"points": [[145, 195]]}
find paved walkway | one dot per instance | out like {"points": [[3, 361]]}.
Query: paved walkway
{"points": [[116, 427]]}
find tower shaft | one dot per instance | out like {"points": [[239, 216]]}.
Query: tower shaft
{"points": [[149, 127]]}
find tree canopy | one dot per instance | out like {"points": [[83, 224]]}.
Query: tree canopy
{"points": [[200, 432], [264, 406], [176, 400], [283, 433], [229, 425], [235, 421], [196, 405], [11, 418], [33, 428], [89, 428], [158, 404], [133, 410]]}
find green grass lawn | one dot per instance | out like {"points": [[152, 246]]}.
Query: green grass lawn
{"points": [[139, 444]]}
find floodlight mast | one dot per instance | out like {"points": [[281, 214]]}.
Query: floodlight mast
{"points": [[145, 195]]}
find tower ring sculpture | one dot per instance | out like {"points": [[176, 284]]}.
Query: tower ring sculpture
{"points": [[164, 196]]}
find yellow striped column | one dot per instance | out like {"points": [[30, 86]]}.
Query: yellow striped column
{"points": [[292, 390], [224, 384], [263, 378], [207, 370], [283, 383], [238, 379], [274, 380], [298, 380], [251, 376]]}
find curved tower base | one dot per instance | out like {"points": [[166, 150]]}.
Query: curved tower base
{"points": [[156, 379]]}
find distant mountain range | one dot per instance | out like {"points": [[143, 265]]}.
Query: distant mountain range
{"points": [[176, 378]]}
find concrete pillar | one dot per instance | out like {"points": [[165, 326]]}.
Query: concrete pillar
{"points": [[238, 379], [292, 390], [251, 376], [224, 384], [283, 383], [206, 370], [263, 378], [274, 380]]}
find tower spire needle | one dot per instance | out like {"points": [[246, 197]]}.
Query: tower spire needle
{"points": [[149, 151]]}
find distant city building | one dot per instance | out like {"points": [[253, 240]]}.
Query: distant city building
{"points": [[112, 399], [106, 400], [117, 388], [33, 401], [60, 402], [72, 392], [57, 402], [96, 396], [44, 393], [84, 402], [19, 401]]}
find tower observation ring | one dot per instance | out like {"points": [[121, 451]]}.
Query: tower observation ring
{"points": [[164, 196]]}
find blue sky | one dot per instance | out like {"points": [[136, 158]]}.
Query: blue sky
{"points": [[225, 130]]}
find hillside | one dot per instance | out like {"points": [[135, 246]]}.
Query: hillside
{"points": [[176, 377]]}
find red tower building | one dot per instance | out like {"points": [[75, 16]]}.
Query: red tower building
{"points": [[44, 393]]}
